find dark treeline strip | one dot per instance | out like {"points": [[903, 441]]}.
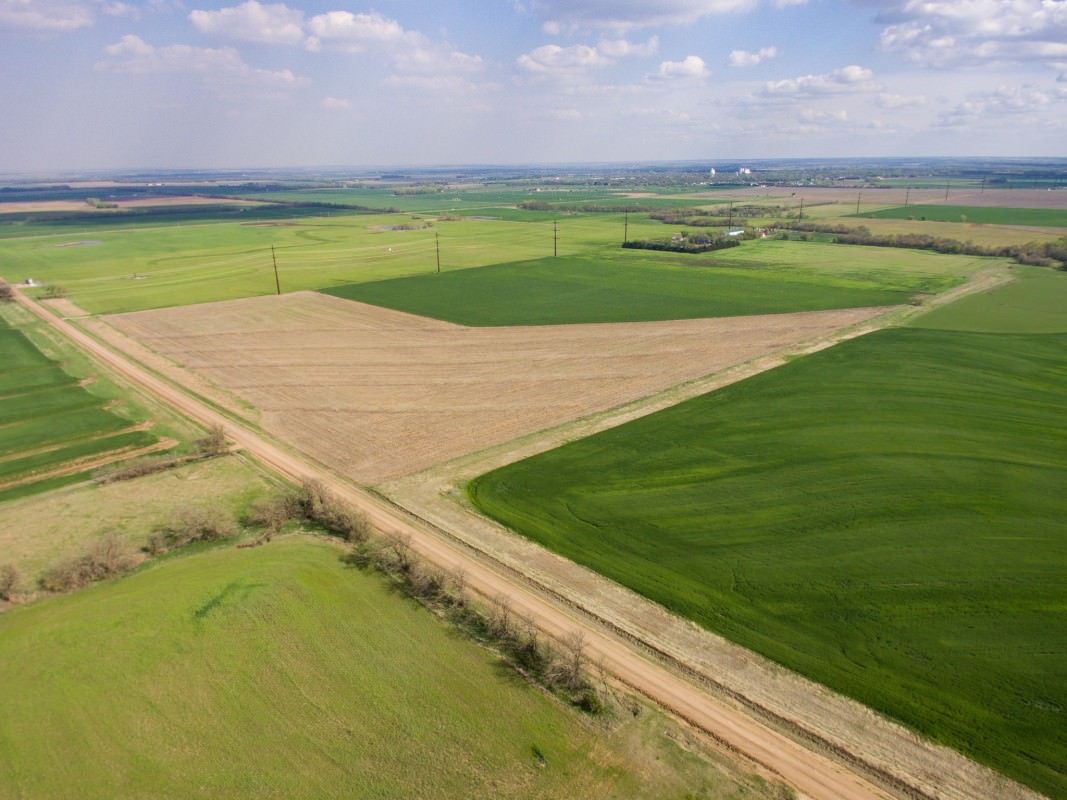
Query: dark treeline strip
{"points": [[698, 244], [1042, 254]]}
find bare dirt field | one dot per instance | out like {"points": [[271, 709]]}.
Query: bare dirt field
{"points": [[377, 394]]}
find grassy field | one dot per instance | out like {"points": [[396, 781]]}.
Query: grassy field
{"points": [[39, 531], [48, 420], [112, 268], [886, 517], [280, 672], [980, 215], [760, 277]]}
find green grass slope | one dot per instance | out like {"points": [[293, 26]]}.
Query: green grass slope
{"points": [[886, 517], [277, 672], [626, 286]]}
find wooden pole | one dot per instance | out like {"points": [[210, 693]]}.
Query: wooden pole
{"points": [[555, 239], [277, 283], [437, 245]]}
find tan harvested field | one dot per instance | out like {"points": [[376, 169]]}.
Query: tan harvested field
{"points": [[36, 206], [33, 206], [377, 394]]}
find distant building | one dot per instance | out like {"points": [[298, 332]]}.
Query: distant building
{"points": [[711, 172], [744, 171]]}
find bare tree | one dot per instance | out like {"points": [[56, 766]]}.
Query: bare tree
{"points": [[400, 545], [7, 294], [500, 617]]}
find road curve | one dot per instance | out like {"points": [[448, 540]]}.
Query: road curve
{"points": [[812, 774]]}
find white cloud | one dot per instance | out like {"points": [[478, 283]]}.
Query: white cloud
{"points": [[689, 68], [852, 78], [1004, 101], [336, 104], [565, 114], [553, 58], [356, 30], [624, 15], [253, 22], [409, 51], [943, 32], [133, 55], [743, 58], [44, 16], [621, 48], [890, 101]]}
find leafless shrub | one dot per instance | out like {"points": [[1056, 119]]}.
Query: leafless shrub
{"points": [[400, 547], [105, 557], [197, 524], [7, 294], [9, 582], [214, 444], [54, 291], [136, 468], [499, 622], [427, 583], [458, 581], [272, 512], [568, 669]]}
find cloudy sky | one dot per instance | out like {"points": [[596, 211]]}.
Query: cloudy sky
{"points": [[185, 83]]}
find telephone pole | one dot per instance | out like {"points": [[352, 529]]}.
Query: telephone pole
{"points": [[858, 196], [946, 190], [801, 208], [626, 228], [274, 258], [555, 239], [730, 218], [437, 246], [907, 194]]}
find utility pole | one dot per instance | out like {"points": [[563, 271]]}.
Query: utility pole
{"points": [[858, 196], [730, 218], [946, 190], [437, 245], [983, 187], [626, 228], [274, 258], [555, 239], [801, 208], [907, 194]]}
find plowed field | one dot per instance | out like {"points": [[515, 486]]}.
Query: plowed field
{"points": [[378, 394]]}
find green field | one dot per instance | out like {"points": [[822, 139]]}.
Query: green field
{"points": [[980, 215], [278, 672], [886, 517], [48, 420], [760, 277], [114, 268]]}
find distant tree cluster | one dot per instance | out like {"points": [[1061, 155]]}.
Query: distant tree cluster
{"points": [[698, 243], [582, 208]]}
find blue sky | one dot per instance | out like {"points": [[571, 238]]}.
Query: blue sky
{"points": [[190, 84]]}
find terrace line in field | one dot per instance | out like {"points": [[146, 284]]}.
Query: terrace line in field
{"points": [[378, 394]]}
